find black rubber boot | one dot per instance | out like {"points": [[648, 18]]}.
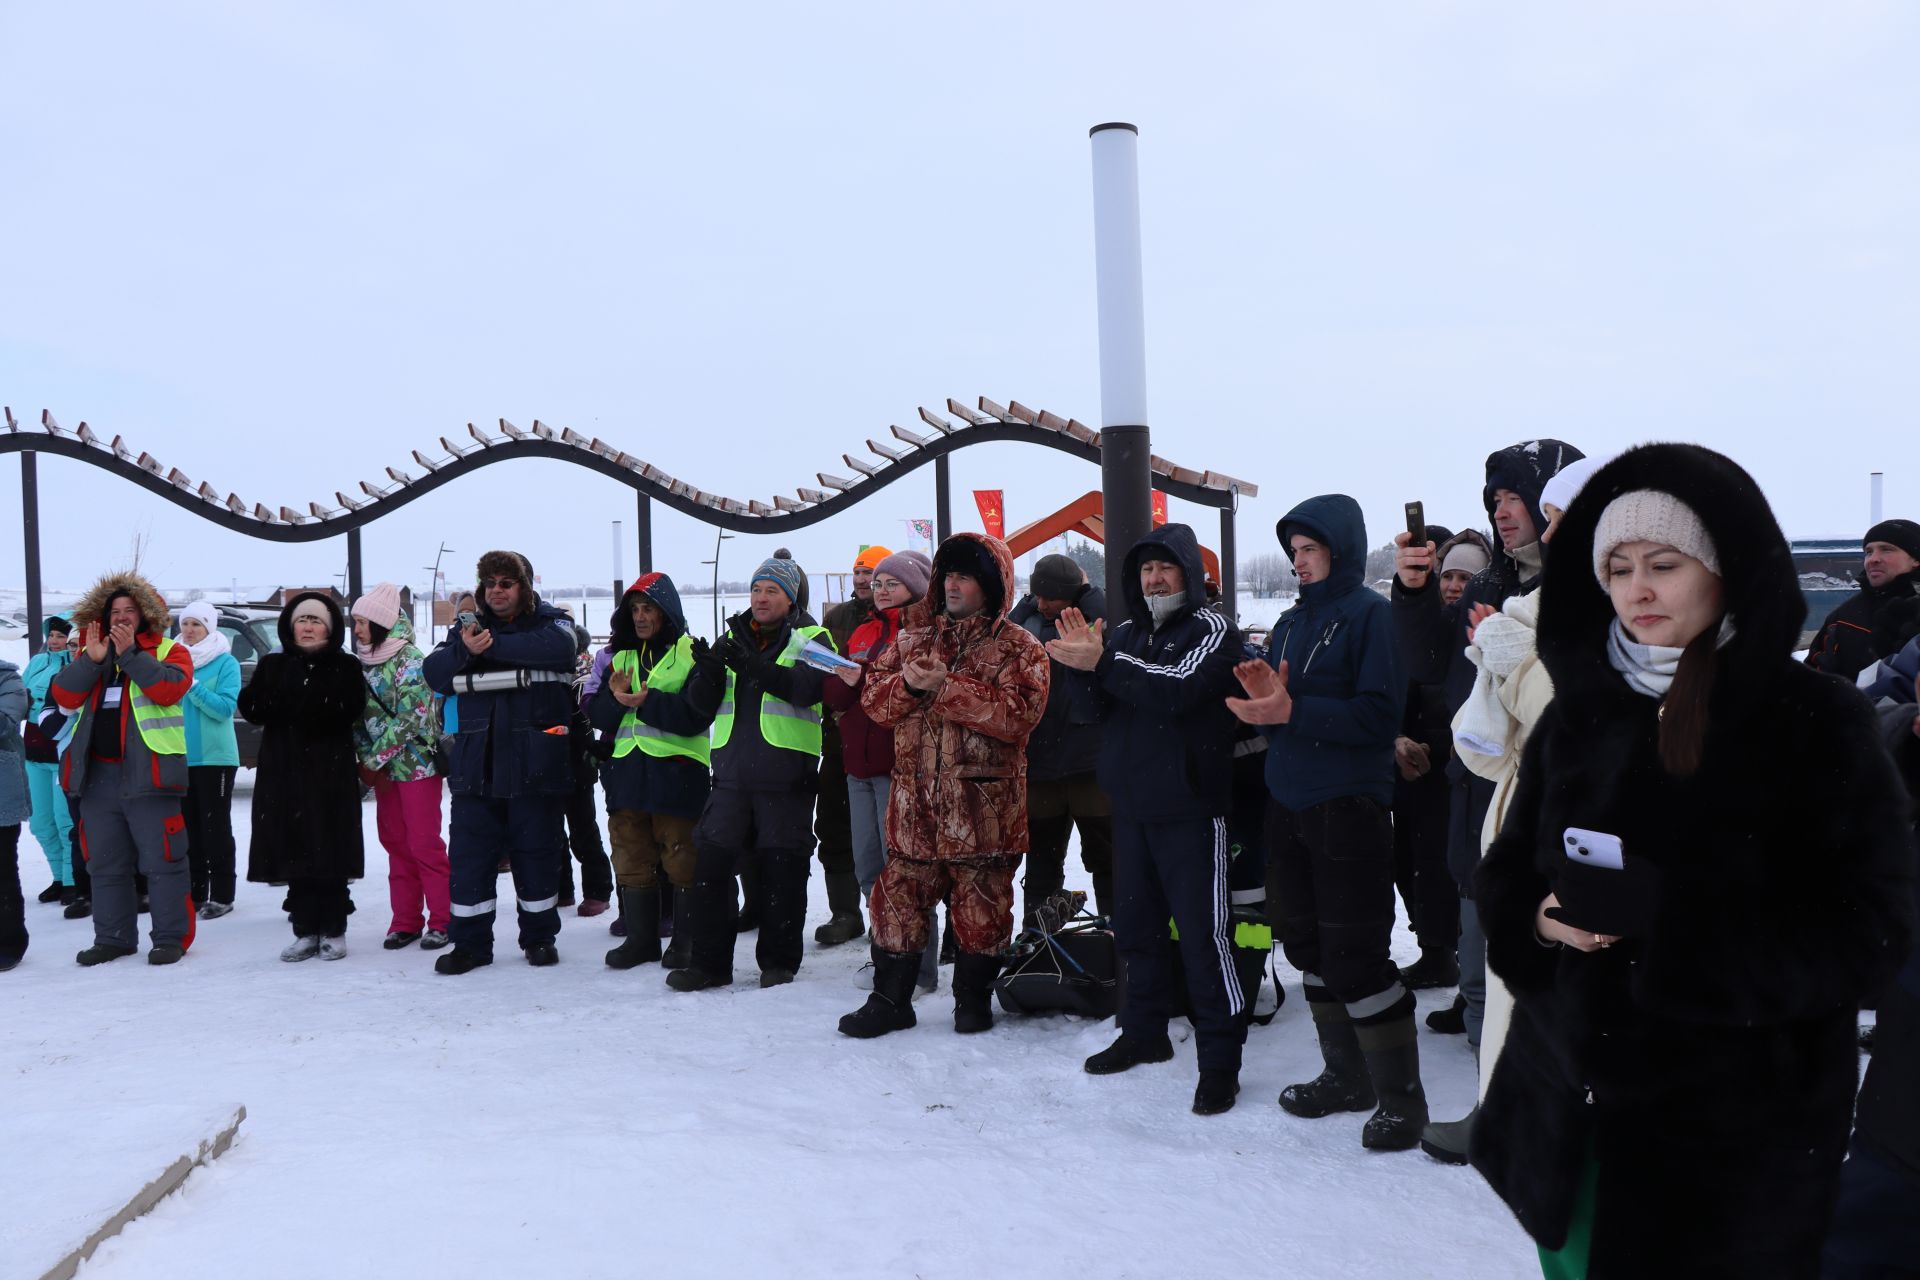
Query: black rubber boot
{"points": [[1103, 898], [973, 977], [102, 952], [890, 1007], [680, 951], [1128, 1052], [642, 908], [1392, 1052], [843, 900], [1344, 1085], [709, 936], [1436, 967]]}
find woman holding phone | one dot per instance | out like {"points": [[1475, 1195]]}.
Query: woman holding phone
{"points": [[1706, 864]]}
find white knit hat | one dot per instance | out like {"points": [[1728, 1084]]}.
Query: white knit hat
{"points": [[1566, 483], [1647, 515], [312, 608], [1467, 556], [203, 613]]}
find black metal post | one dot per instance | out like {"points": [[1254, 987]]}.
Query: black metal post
{"points": [[643, 529], [353, 564], [1126, 498], [30, 545], [943, 501], [1229, 574]]}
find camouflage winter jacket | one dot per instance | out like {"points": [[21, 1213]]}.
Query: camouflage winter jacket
{"points": [[398, 734], [960, 762]]}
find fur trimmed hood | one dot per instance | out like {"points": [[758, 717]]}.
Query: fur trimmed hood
{"points": [[153, 607], [1762, 590]]}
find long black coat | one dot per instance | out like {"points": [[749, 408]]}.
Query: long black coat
{"points": [[306, 794], [1707, 1061]]}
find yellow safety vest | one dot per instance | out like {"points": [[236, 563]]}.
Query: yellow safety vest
{"points": [[669, 675], [781, 723], [163, 729]]}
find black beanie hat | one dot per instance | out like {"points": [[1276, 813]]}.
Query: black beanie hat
{"points": [[1904, 534], [1055, 577]]}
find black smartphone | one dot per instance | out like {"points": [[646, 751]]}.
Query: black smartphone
{"points": [[1416, 524]]}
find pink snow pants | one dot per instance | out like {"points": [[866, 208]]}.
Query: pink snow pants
{"points": [[408, 816]]}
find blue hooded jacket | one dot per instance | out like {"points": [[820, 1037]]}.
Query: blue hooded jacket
{"points": [[1167, 750], [1342, 669]]}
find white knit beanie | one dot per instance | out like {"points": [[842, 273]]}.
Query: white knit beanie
{"points": [[312, 608], [1647, 515], [1467, 557]]}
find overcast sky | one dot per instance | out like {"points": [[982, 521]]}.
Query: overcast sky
{"points": [[278, 246]]}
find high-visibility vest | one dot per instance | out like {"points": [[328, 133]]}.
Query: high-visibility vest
{"points": [[781, 723], [163, 729], [669, 675]]}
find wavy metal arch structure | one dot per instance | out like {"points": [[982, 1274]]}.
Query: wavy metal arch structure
{"points": [[837, 494]]}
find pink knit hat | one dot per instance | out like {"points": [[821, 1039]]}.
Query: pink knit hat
{"points": [[380, 606]]}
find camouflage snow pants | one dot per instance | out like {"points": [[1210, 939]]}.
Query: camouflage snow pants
{"points": [[980, 910]]}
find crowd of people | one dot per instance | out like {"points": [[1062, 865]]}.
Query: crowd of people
{"points": [[1664, 863]]}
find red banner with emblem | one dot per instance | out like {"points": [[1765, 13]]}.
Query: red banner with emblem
{"points": [[1159, 508], [993, 511]]}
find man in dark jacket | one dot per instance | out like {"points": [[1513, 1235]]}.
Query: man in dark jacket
{"points": [[833, 822], [511, 769], [1062, 791], [1432, 638], [767, 740], [1331, 705], [1420, 797], [657, 779], [1166, 760], [1891, 574]]}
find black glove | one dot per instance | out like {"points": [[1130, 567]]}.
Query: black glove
{"points": [[700, 649], [732, 653]]}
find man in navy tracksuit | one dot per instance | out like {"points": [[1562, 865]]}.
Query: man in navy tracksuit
{"points": [[1331, 705], [511, 767], [1166, 760]]}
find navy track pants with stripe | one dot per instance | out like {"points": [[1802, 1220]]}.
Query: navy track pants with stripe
{"points": [[1177, 870]]}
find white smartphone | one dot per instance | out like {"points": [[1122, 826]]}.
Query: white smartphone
{"points": [[1595, 848]]}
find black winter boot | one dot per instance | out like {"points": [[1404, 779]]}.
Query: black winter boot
{"points": [[890, 1007], [1344, 1085], [457, 962], [1215, 1092], [1450, 1021], [102, 952], [843, 900], [1393, 1063], [1436, 967], [709, 937], [679, 952], [973, 977], [642, 908], [1128, 1052]]}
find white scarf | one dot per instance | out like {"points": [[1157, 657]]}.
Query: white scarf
{"points": [[211, 646], [1649, 668]]}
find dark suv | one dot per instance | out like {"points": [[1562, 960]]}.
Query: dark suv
{"points": [[250, 637]]}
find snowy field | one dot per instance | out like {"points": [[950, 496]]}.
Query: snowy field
{"points": [[577, 1122]]}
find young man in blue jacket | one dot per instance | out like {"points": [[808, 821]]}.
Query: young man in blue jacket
{"points": [[1331, 706], [1166, 760], [511, 769]]}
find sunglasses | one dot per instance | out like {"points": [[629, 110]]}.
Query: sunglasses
{"points": [[499, 584]]}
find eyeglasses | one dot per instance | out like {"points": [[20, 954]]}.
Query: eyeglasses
{"points": [[887, 584], [499, 584]]}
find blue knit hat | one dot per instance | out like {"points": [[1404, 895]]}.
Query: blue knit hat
{"points": [[782, 573]]}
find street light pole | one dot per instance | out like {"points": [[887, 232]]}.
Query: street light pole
{"points": [[1126, 477]]}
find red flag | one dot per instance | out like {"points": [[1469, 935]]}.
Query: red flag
{"points": [[1159, 508], [993, 513]]}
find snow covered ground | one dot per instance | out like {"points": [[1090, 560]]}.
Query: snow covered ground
{"points": [[579, 1122]]}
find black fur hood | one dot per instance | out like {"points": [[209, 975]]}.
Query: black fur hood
{"points": [[1761, 587]]}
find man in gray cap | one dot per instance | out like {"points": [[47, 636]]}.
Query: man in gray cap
{"points": [[1062, 791], [767, 740]]}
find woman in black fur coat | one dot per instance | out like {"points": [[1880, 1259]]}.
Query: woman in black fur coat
{"points": [[1676, 1089], [307, 696]]}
